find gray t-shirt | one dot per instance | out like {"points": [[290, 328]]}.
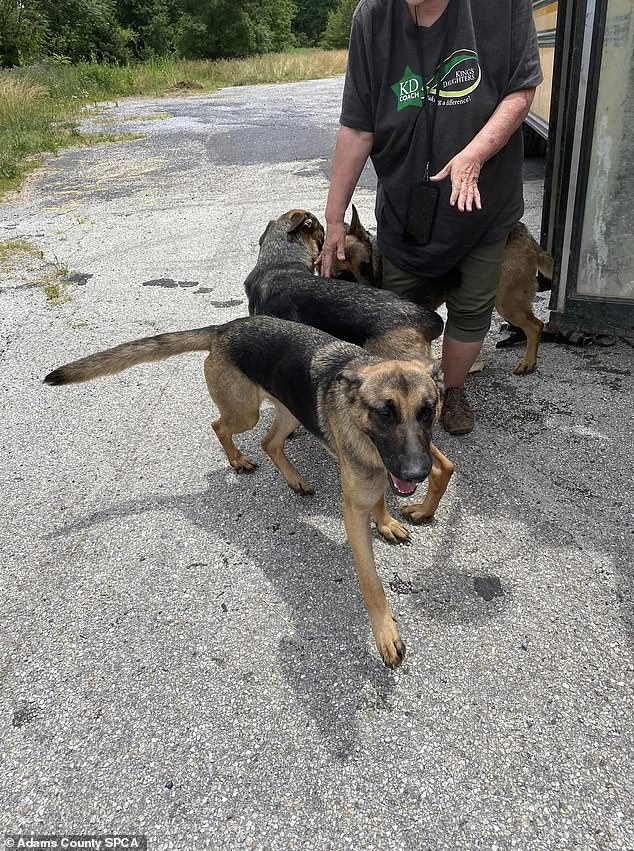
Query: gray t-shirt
{"points": [[490, 50]]}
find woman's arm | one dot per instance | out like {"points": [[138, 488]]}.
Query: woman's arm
{"points": [[352, 150], [464, 168]]}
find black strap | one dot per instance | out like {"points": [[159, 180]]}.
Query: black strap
{"points": [[431, 122]]}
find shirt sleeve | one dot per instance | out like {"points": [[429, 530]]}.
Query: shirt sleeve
{"points": [[356, 106], [525, 70]]}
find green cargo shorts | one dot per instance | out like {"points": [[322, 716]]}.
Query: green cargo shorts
{"points": [[469, 303]]}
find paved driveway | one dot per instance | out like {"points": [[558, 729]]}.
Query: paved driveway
{"points": [[184, 653]]}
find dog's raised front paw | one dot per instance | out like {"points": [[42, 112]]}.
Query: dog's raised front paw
{"points": [[417, 513], [393, 532]]}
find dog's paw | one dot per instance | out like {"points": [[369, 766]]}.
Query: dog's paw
{"points": [[525, 367], [417, 513], [393, 532], [244, 465], [302, 487], [390, 645]]}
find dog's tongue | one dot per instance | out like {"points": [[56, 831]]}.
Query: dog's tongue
{"points": [[401, 487]]}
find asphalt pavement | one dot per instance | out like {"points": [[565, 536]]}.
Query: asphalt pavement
{"points": [[184, 651]]}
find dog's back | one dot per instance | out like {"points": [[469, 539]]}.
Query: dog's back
{"points": [[283, 284]]}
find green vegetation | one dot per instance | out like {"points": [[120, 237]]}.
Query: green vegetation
{"points": [[55, 284], [337, 32], [25, 263], [15, 247], [56, 292], [123, 31]]}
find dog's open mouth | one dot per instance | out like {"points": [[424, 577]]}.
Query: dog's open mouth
{"points": [[401, 487]]}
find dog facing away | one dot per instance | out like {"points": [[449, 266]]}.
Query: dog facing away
{"points": [[373, 415], [523, 259], [283, 284]]}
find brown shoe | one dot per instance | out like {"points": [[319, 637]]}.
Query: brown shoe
{"points": [[457, 416]]}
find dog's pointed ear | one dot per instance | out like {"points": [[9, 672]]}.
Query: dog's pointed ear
{"points": [[266, 230], [356, 228], [299, 219], [437, 373], [350, 380]]}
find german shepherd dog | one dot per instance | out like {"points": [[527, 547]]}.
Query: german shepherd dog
{"points": [[373, 415], [523, 259], [283, 284]]}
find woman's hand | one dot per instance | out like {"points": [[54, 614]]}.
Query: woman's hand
{"points": [[334, 244], [351, 153], [464, 170]]}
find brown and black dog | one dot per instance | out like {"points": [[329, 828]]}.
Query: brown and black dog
{"points": [[373, 415], [523, 259], [283, 284]]}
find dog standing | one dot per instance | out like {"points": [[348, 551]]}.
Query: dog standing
{"points": [[283, 284], [523, 258], [373, 415]]}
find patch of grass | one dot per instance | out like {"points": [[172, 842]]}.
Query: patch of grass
{"points": [[18, 246], [56, 292], [56, 288], [118, 119], [40, 107], [88, 139], [24, 264]]}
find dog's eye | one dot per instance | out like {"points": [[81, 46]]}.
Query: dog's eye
{"points": [[426, 413], [388, 411]]}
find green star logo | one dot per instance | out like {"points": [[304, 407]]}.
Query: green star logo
{"points": [[409, 90]]}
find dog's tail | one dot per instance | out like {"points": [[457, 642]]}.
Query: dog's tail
{"points": [[545, 266], [542, 258], [146, 350]]}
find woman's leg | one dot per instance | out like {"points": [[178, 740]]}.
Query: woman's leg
{"points": [[469, 308]]}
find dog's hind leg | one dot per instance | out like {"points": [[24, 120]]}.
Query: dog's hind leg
{"points": [[514, 303], [389, 528], [359, 499], [273, 444], [533, 328], [441, 471], [238, 402]]}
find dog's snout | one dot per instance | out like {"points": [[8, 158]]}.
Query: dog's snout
{"points": [[416, 470]]}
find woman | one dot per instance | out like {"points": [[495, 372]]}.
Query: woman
{"points": [[435, 94]]}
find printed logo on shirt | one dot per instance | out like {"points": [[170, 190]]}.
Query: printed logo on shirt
{"points": [[409, 89], [455, 78]]}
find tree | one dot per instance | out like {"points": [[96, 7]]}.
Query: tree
{"points": [[86, 29], [270, 25], [310, 20], [154, 24], [337, 34], [22, 32], [224, 28]]}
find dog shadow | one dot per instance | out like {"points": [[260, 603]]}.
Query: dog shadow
{"points": [[329, 657]]}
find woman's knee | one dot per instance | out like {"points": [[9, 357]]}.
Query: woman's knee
{"points": [[468, 323]]}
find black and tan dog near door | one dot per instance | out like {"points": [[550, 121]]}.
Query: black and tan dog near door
{"points": [[374, 415], [523, 259]]}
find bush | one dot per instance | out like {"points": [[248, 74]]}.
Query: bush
{"points": [[337, 34]]}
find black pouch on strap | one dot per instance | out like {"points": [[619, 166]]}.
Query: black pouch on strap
{"points": [[421, 211]]}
